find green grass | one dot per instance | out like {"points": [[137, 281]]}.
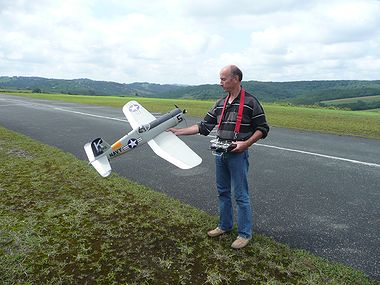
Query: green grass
{"points": [[61, 223], [353, 123]]}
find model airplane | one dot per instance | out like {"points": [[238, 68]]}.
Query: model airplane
{"points": [[145, 128]]}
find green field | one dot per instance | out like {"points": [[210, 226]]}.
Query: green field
{"points": [[353, 123], [368, 103], [374, 110], [61, 223], [342, 122], [375, 98]]}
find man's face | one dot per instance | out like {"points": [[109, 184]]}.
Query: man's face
{"points": [[228, 81]]}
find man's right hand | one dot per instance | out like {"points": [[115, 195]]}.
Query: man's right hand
{"points": [[192, 130]]}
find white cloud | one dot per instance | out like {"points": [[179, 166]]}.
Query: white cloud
{"points": [[178, 41]]}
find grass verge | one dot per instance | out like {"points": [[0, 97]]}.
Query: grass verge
{"points": [[342, 122], [60, 223]]}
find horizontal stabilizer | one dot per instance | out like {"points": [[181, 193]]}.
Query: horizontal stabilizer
{"points": [[101, 164], [168, 146]]}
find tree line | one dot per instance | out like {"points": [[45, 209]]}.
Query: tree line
{"points": [[295, 92]]}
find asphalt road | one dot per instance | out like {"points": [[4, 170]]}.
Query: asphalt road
{"points": [[312, 191]]}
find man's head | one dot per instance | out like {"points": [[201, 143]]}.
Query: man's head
{"points": [[230, 78]]}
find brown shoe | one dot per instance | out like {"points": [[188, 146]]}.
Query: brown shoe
{"points": [[215, 232], [240, 242]]}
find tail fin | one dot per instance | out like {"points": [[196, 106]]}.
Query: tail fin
{"points": [[96, 153]]}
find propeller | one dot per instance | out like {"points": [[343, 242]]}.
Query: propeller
{"points": [[184, 111]]}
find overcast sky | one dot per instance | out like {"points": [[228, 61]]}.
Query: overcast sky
{"points": [[187, 42]]}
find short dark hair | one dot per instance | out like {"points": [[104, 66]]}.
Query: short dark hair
{"points": [[235, 71]]}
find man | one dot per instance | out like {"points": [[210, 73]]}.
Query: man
{"points": [[240, 119]]}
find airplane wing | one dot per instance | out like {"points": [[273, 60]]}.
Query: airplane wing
{"points": [[136, 114], [168, 146]]}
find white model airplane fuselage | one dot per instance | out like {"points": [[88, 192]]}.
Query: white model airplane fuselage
{"points": [[145, 128]]}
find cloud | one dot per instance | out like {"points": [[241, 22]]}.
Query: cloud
{"points": [[327, 42], [171, 41]]}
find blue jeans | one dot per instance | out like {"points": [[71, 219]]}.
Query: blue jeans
{"points": [[231, 172]]}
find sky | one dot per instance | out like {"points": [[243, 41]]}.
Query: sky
{"points": [[188, 42]]}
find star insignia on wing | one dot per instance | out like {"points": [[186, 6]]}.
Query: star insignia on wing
{"points": [[134, 108]]}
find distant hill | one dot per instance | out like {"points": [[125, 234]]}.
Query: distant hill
{"points": [[84, 86], [297, 92]]}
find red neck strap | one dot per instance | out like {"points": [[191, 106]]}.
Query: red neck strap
{"points": [[240, 112]]}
